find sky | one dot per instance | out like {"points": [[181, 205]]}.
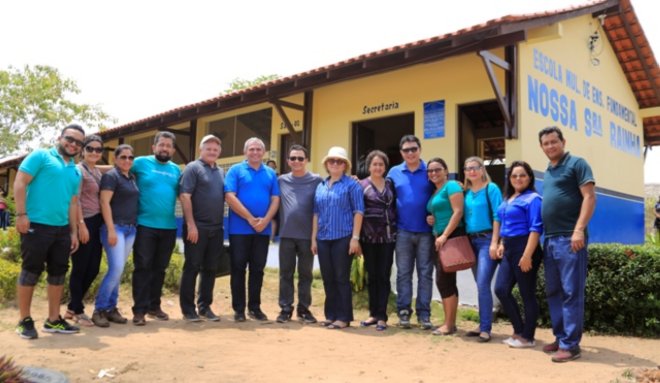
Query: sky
{"points": [[139, 58]]}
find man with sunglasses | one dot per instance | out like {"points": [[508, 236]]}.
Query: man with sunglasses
{"points": [[297, 190], [45, 192], [414, 242], [158, 181]]}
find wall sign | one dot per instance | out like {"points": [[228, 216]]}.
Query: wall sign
{"points": [[434, 119]]}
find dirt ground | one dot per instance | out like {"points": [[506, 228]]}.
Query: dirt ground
{"points": [[176, 351]]}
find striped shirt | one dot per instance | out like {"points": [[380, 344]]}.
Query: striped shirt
{"points": [[335, 207]]}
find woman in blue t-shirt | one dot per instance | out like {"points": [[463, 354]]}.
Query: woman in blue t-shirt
{"points": [[519, 249], [482, 198], [446, 206]]}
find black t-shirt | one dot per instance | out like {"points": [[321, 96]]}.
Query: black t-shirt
{"points": [[124, 202]]}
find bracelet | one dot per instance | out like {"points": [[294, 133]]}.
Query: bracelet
{"points": [[355, 237]]}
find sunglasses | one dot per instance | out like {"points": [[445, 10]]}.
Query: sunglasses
{"points": [[434, 170], [73, 140], [523, 175], [294, 159], [124, 157], [90, 149], [335, 161], [414, 149], [471, 168]]}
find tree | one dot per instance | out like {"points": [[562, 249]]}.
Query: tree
{"points": [[35, 106], [241, 83]]}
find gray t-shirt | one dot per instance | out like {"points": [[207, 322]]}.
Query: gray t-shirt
{"points": [[205, 184], [297, 205]]}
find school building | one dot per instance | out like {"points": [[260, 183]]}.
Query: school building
{"points": [[485, 90]]}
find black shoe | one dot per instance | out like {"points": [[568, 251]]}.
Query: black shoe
{"points": [[25, 329], [239, 316], [306, 317], [257, 315], [404, 319], [425, 324], [60, 326], [138, 319], [209, 315], [158, 314], [192, 317], [284, 316], [115, 316], [100, 318]]}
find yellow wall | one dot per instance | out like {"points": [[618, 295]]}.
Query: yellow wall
{"points": [[567, 49], [457, 80]]}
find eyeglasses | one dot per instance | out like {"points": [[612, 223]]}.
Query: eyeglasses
{"points": [[294, 159], [414, 149], [130, 158], [335, 161], [523, 175], [434, 170], [74, 141], [471, 168], [90, 149]]}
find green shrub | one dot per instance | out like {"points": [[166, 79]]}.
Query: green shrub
{"points": [[10, 244], [9, 271]]}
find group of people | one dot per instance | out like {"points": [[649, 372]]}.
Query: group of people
{"points": [[411, 209]]}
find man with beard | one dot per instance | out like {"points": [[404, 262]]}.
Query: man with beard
{"points": [[157, 179], [253, 196], [45, 192]]}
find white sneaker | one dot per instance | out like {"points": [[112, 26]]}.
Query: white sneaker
{"points": [[516, 343], [508, 341]]}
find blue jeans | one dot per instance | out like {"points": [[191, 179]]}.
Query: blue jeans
{"points": [[510, 274], [483, 273], [335, 263], [106, 298], [565, 280], [414, 249]]}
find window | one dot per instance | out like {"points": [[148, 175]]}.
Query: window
{"points": [[235, 130]]}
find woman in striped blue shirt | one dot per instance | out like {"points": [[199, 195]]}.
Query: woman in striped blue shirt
{"points": [[338, 211]]}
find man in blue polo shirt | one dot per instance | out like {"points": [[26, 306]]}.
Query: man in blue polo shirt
{"points": [[158, 181], [414, 242], [569, 201], [45, 192], [253, 196]]}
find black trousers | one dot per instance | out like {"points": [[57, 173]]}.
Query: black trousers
{"points": [[85, 264], [378, 258], [247, 250], [151, 256], [201, 260]]}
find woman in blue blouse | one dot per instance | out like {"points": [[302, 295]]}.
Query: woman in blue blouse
{"points": [[338, 210], [482, 198], [446, 206], [520, 229], [378, 236]]}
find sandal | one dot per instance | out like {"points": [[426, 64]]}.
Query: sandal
{"points": [[325, 323], [484, 337], [369, 322], [338, 325], [83, 320], [381, 326], [69, 315], [473, 333], [451, 331]]}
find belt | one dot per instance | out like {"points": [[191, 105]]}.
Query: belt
{"points": [[481, 234]]}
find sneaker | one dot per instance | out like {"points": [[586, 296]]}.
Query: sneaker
{"points": [[284, 316], [99, 317], [306, 316], [192, 317], [517, 343], [551, 347], [138, 319], [425, 324], [60, 326], [158, 314], [257, 315], [562, 355], [404, 319], [25, 329], [115, 317], [209, 315], [239, 316]]}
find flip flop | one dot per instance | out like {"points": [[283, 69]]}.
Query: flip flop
{"points": [[335, 326], [325, 323], [484, 337], [367, 323], [381, 327], [445, 333]]}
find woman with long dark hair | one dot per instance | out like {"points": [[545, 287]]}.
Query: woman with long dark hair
{"points": [[520, 251]]}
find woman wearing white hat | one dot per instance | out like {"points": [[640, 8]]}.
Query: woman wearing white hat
{"points": [[338, 211]]}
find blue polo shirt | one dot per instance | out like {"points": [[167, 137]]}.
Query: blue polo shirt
{"points": [[159, 187], [521, 216], [54, 183], [335, 207], [413, 191], [478, 216], [254, 188], [562, 199]]}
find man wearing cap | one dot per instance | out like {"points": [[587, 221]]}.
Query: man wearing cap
{"points": [[45, 192], [202, 199], [297, 190], [253, 196], [158, 181], [414, 241]]}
